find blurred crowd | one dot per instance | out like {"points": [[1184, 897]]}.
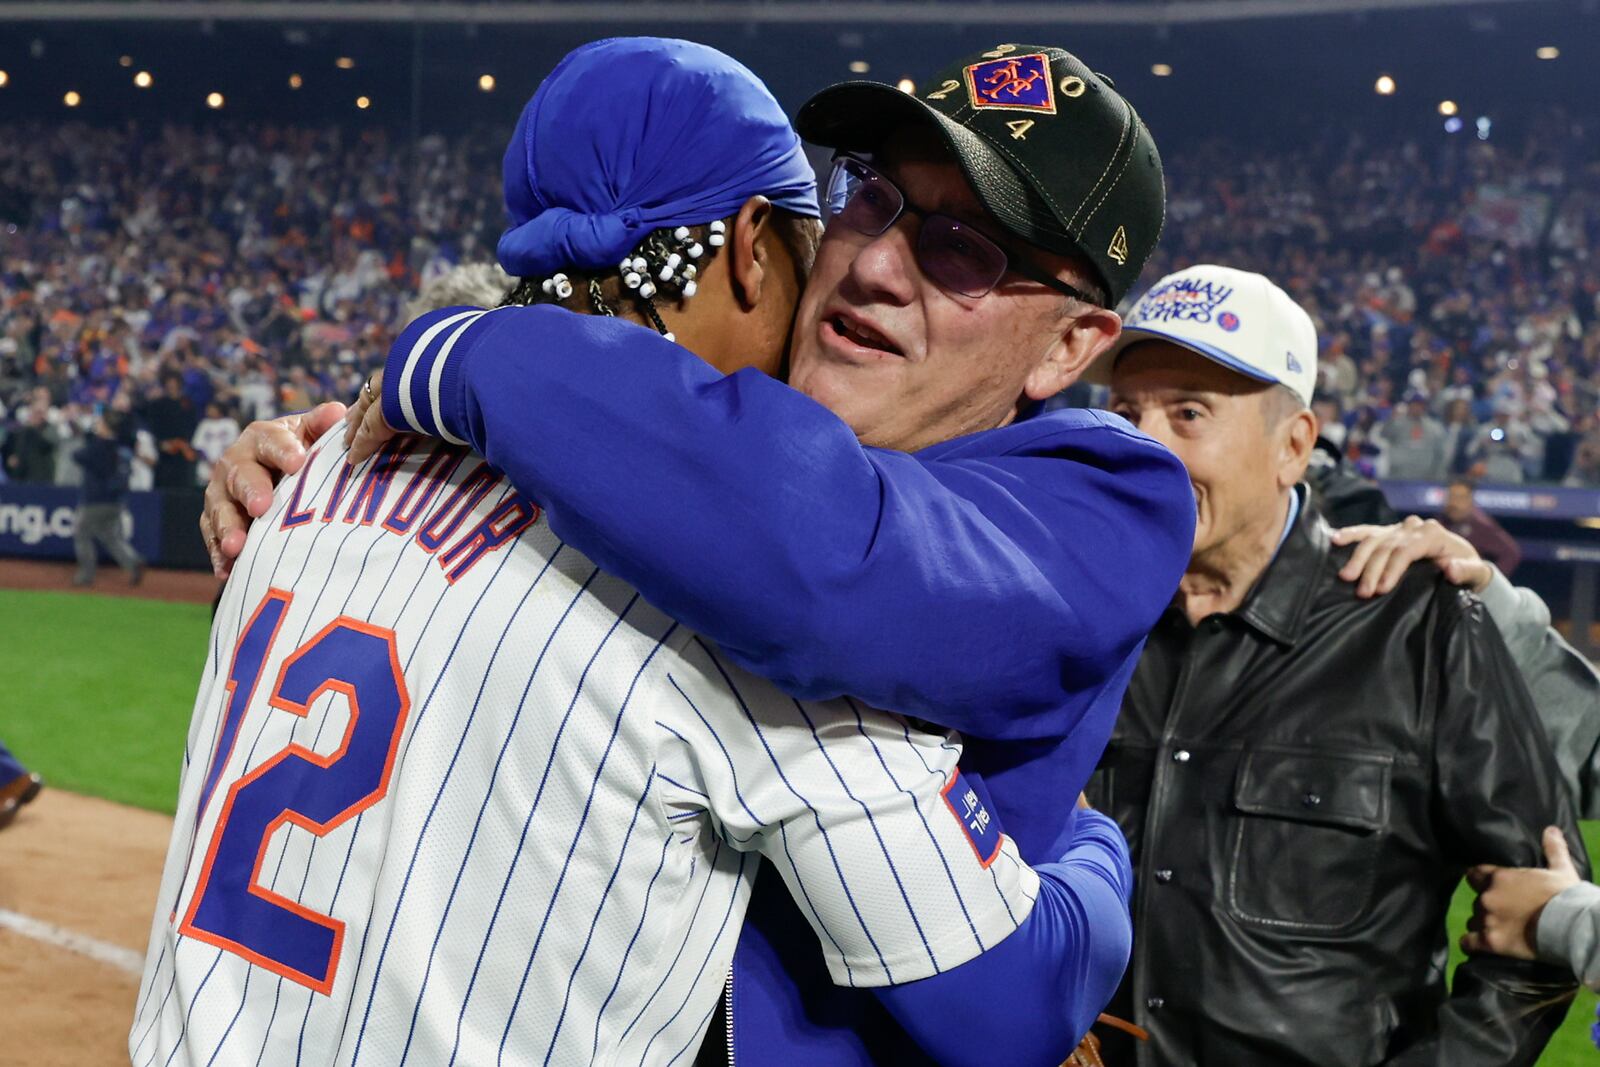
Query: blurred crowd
{"points": [[1453, 283], [181, 282]]}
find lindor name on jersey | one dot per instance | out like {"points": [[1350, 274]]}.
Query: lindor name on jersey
{"points": [[420, 508]]}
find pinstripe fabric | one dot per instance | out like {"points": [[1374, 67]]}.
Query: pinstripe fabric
{"points": [[578, 804]]}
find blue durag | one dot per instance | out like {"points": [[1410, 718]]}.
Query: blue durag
{"points": [[632, 134]]}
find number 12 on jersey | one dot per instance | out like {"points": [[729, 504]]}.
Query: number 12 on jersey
{"points": [[231, 908]]}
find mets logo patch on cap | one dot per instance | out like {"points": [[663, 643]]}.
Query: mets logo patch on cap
{"points": [[968, 800], [1012, 83]]}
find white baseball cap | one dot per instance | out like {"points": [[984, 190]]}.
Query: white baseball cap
{"points": [[1239, 319]]}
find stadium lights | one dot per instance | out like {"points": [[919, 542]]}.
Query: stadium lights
{"points": [[72, 99], [859, 66], [215, 101], [1161, 70], [1549, 51], [295, 81], [1384, 85], [125, 61], [1453, 124], [1448, 108], [4, 78], [1484, 125], [363, 102], [143, 79], [345, 63], [486, 82], [905, 85]]}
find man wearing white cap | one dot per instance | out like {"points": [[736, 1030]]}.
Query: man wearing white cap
{"points": [[1303, 773]]}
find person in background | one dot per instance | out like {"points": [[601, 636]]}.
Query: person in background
{"points": [[18, 786], [1464, 518], [170, 417], [1503, 448], [105, 465], [1459, 428], [30, 449], [1305, 774], [211, 438], [1418, 444]]}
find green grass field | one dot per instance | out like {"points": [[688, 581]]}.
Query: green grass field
{"points": [[97, 693]]}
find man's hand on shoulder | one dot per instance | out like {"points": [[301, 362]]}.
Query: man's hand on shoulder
{"points": [[1384, 553], [242, 479]]}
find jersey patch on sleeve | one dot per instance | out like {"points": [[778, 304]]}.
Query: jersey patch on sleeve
{"points": [[968, 800]]}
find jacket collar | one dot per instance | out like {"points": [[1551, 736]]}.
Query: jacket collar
{"points": [[1278, 603]]}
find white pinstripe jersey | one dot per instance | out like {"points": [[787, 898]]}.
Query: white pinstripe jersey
{"points": [[451, 795]]}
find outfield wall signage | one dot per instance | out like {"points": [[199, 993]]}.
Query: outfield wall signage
{"points": [[39, 521]]}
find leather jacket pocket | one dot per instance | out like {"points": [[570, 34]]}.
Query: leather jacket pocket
{"points": [[1309, 829]]}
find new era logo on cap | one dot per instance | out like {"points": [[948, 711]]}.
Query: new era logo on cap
{"points": [[1014, 83]]}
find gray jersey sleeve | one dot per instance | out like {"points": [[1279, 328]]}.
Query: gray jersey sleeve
{"points": [[1565, 687]]}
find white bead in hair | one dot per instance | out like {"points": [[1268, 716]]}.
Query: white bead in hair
{"points": [[639, 264], [665, 274], [696, 250], [689, 289], [647, 290], [548, 285], [631, 279], [563, 289], [717, 240], [669, 336], [681, 233], [691, 271], [719, 226]]}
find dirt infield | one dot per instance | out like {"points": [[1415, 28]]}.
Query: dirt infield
{"points": [[90, 868], [185, 587]]}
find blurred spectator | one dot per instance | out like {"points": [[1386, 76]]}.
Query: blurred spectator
{"points": [[105, 462], [214, 434], [1501, 450], [170, 416], [1418, 444], [30, 448], [1464, 518]]}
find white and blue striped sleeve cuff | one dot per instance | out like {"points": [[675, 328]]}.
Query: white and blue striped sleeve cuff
{"points": [[421, 391]]}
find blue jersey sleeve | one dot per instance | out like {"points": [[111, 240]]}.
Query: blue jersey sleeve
{"points": [[984, 584], [1031, 998]]}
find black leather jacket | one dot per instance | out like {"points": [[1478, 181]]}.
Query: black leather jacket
{"points": [[1303, 783]]}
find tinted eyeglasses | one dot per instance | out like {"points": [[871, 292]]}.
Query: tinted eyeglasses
{"points": [[951, 252]]}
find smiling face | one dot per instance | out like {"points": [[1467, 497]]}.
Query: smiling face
{"points": [[1236, 436], [907, 363]]}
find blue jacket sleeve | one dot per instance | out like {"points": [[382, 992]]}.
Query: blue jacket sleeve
{"points": [[984, 584], [1031, 998]]}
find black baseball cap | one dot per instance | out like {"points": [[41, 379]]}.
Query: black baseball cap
{"points": [[1053, 151]]}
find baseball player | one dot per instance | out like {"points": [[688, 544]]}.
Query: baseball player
{"points": [[1001, 581], [454, 794]]}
